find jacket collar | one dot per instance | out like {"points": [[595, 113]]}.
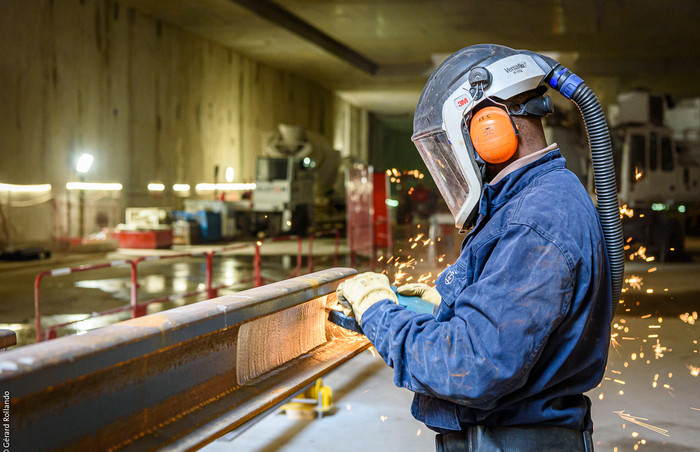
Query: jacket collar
{"points": [[493, 196]]}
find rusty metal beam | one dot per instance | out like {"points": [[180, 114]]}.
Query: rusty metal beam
{"points": [[167, 379], [8, 338], [280, 16]]}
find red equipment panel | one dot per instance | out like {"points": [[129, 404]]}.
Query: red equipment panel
{"points": [[360, 219], [145, 239], [382, 228]]}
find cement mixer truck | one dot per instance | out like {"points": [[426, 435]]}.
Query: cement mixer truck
{"points": [[296, 176]]}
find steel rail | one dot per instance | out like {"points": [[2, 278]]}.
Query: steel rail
{"points": [[164, 380]]}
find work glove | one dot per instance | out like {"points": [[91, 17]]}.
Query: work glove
{"points": [[424, 291], [358, 293]]}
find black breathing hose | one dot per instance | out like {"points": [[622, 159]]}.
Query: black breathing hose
{"points": [[605, 185]]}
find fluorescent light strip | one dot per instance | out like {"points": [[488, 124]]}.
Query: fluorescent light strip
{"points": [[25, 188], [181, 187], [93, 186], [156, 187], [225, 187], [205, 187]]}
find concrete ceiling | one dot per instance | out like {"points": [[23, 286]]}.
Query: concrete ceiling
{"points": [[378, 53]]}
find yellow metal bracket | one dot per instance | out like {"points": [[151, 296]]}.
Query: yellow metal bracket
{"points": [[315, 401]]}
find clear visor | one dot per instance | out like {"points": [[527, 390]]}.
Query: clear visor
{"points": [[442, 163]]}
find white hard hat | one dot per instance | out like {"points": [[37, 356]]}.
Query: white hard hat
{"points": [[463, 81]]}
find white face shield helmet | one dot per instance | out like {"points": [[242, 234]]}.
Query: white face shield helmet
{"points": [[464, 80], [495, 73]]}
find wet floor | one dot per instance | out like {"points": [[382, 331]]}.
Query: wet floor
{"points": [[78, 297], [649, 399]]}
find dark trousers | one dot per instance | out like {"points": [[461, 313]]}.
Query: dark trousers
{"points": [[515, 439]]}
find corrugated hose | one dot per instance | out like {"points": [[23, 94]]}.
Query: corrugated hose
{"points": [[605, 185]]}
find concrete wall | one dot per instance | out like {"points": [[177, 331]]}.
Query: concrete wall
{"points": [[351, 131], [151, 102]]}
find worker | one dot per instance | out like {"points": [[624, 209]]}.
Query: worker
{"points": [[522, 327]]}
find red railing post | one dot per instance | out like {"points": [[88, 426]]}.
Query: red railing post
{"points": [[212, 292], [136, 310], [257, 265], [311, 254], [37, 311]]}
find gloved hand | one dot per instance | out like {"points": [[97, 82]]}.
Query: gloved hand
{"points": [[424, 291], [358, 293]]}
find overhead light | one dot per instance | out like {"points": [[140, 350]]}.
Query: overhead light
{"points": [[181, 187], [94, 186], [391, 202], [224, 187], [229, 174], [156, 187], [25, 188], [84, 163], [205, 187]]}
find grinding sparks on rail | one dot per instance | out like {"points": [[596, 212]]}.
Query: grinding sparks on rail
{"points": [[626, 211], [694, 371], [642, 342], [634, 282], [689, 318], [494, 287], [647, 347], [638, 421]]}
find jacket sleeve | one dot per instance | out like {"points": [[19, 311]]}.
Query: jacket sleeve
{"points": [[501, 323]]}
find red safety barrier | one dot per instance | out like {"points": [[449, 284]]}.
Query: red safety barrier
{"points": [[257, 265], [68, 271], [139, 309]]}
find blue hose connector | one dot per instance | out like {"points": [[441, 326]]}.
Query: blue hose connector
{"points": [[565, 81]]}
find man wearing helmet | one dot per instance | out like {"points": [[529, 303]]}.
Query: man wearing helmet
{"points": [[523, 324]]}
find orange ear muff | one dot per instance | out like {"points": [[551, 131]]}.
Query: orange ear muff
{"points": [[493, 135]]}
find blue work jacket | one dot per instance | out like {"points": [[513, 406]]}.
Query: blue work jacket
{"points": [[523, 328]]}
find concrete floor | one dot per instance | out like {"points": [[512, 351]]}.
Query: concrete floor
{"points": [[656, 382], [373, 414]]}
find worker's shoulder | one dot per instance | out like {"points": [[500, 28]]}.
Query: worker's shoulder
{"points": [[556, 204], [557, 190]]}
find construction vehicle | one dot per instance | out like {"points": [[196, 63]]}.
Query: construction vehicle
{"points": [[283, 197], [658, 181], [297, 172]]}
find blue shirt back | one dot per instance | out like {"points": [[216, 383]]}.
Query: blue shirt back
{"points": [[523, 328]]}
